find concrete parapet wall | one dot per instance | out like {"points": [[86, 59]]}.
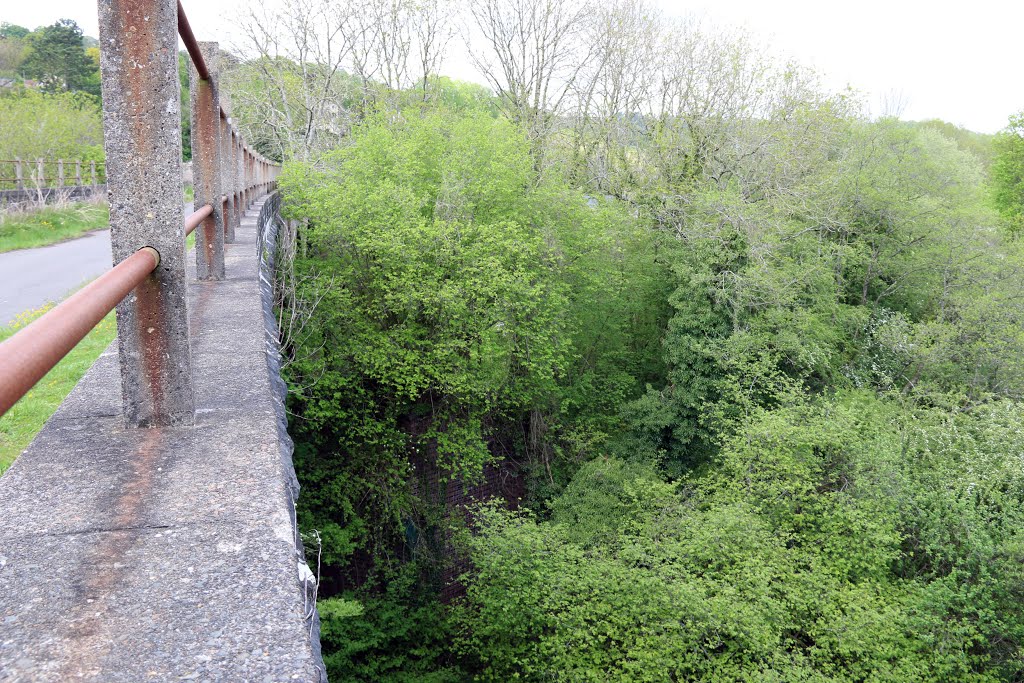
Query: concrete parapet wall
{"points": [[167, 553]]}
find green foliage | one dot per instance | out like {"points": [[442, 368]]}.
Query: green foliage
{"points": [[56, 57], [978, 144], [186, 107], [9, 30], [392, 636], [455, 296], [36, 125], [13, 49], [756, 363], [839, 540], [1008, 174]]}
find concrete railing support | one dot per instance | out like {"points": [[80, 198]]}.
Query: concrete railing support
{"points": [[233, 174], [142, 141], [206, 165], [230, 216]]}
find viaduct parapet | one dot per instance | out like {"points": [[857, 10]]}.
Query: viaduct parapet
{"points": [[167, 553]]}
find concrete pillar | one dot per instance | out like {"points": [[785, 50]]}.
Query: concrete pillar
{"points": [[142, 140], [248, 177], [206, 165], [78, 173], [19, 177], [233, 174], [240, 176], [230, 219]]}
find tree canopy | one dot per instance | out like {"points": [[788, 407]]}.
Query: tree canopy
{"points": [[57, 58], [728, 371]]}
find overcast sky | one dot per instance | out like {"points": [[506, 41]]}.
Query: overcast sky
{"points": [[956, 61]]}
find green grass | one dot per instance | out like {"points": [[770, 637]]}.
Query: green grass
{"points": [[22, 422], [23, 230]]}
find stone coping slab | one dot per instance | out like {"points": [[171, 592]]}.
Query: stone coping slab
{"points": [[168, 553]]}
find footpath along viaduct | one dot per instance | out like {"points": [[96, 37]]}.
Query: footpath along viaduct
{"points": [[148, 532]]}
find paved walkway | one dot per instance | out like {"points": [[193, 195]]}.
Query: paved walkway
{"points": [[31, 277]]}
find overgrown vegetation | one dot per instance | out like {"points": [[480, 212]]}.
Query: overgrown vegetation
{"points": [[753, 358], [36, 125]]}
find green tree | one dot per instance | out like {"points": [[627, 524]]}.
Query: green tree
{"points": [[57, 58], [8, 30], [186, 107], [836, 540], [37, 125], [12, 48], [1008, 174]]}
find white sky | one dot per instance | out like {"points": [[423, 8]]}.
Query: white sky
{"points": [[958, 61]]}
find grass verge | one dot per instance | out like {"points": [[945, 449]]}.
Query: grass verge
{"points": [[22, 422], [26, 229]]}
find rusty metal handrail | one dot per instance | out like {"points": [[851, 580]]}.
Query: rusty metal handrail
{"points": [[196, 218], [26, 357], [191, 44]]}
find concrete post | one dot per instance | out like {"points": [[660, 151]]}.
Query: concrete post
{"points": [[206, 165], [236, 179], [225, 152], [239, 179], [92, 173], [241, 174], [60, 173], [78, 173], [142, 141], [19, 177], [248, 178]]}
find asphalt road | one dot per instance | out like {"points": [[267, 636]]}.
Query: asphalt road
{"points": [[31, 277]]}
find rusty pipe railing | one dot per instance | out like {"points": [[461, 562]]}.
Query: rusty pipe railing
{"points": [[196, 218], [26, 357], [191, 44]]}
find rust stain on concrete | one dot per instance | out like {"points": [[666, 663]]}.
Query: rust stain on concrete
{"points": [[107, 570]]}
